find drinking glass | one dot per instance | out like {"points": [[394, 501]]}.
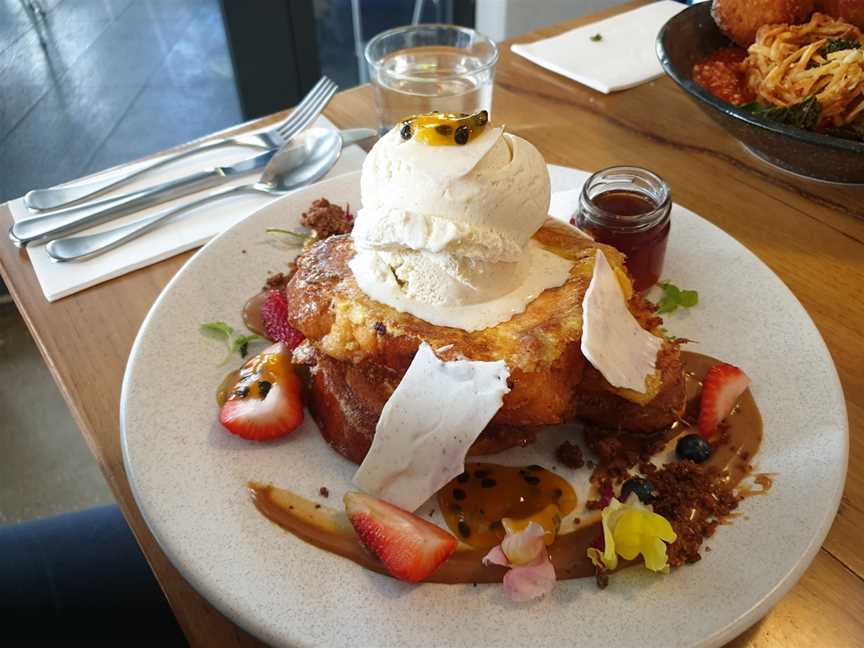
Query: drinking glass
{"points": [[428, 67]]}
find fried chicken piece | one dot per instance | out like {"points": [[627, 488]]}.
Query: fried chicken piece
{"points": [[741, 19], [851, 11]]}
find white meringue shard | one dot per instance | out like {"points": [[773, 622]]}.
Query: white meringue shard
{"points": [[427, 425], [612, 340]]}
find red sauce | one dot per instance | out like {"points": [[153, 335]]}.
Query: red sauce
{"points": [[645, 248], [721, 74]]}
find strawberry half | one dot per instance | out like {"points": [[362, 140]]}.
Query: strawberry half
{"points": [[265, 403], [722, 386], [274, 315], [410, 547]]}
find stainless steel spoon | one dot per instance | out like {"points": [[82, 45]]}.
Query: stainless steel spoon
{"points": [[302, 162]]}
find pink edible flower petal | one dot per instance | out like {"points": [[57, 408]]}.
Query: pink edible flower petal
{"points": [[524, 546], [526, 582], [531, 572], [496, 557]]}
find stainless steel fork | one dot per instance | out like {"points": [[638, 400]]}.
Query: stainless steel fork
{"points": [[271, 139]]}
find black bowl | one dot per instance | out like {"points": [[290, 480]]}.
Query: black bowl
{"points": [[690, 37]]}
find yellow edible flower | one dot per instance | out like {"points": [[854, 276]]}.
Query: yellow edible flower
{"points": [[631, 529]]}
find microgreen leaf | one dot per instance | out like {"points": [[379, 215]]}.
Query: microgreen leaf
{"points": [[240, 344], [234, 343], [298, 237], [220, 328]]}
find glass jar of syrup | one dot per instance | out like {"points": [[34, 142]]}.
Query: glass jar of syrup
{"points": [[628, 208]]}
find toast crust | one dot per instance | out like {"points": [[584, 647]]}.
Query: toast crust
{"points": [[362, 348]]}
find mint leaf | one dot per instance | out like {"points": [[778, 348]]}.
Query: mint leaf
{"points": [[671, 291], [673, 298], [689, 298], [667, 305]]}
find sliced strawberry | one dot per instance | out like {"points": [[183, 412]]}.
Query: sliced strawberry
{"points": [[410, 547], [722, 386], [265, 403], [274, 314]]}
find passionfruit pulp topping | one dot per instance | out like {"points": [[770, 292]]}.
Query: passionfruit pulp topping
{"points": [[444, 129]]}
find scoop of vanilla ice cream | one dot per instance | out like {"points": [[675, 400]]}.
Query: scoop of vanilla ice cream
{"points": [[449, 224], [444, 278]]}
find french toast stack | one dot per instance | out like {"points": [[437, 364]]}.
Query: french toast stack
{"points": [[359, 349]]}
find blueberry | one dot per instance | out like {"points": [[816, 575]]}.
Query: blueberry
{"points": [[693, 447], [643, 488]]}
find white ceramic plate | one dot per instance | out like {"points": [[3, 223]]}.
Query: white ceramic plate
{"points": [[189, 476]]}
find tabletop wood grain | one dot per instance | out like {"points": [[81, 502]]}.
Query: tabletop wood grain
{"points": [[811, 234]]}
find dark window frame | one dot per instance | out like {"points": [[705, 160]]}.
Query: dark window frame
{"points": [[274, 50]]}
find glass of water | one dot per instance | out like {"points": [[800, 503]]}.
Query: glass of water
{"points": [[425, 68]]}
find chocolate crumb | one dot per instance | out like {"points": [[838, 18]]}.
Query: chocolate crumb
{"points": [[317, 506], [570, 455], [242, 251], [619, 452], [326, 219], [324, 491], [279, 280], [695, 500], [475, 584]]}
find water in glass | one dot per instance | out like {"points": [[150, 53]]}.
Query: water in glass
{"points": [[431, 78]]}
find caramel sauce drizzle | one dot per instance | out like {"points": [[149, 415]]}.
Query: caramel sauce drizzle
{"points": [[329, 528]]}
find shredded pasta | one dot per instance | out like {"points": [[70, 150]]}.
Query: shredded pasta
{"points": [[789, 63]]}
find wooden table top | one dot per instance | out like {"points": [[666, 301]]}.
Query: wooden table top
{"points": [[811, 234]]}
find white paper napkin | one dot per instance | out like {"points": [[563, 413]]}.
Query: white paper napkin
{"points": [[622, 57], [186, 232]]}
